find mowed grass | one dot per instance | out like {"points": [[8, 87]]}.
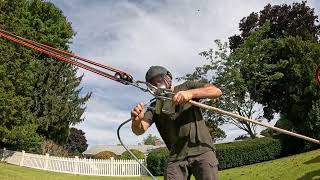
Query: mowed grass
{"points": [[13, 172], [299, 167], [304, 166]]}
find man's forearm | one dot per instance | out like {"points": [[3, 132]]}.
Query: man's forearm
{"points": [[209, 91], [139, 127]]}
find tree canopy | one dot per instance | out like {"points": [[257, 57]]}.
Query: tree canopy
{"points": [[297, 19], [279, 68], [39, 96], [150, 140], [77, 142], [272, 63]]}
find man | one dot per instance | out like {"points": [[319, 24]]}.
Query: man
{"points": [[184, 132]]}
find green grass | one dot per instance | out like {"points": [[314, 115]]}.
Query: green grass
{"points": [[300, 167], [304, 166], [12, 172]]}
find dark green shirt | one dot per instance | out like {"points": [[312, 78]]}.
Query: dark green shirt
{"points": [[186, 134]]}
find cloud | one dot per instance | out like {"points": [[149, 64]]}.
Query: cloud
{"points": [[103, 116], [132, 35]]}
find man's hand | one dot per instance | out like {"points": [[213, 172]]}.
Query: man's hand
{"points": [[137, 113], [182, 97], [139, 124]]}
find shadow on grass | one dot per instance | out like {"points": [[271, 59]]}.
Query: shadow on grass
{"points": [[311, 175], [315, 160]]}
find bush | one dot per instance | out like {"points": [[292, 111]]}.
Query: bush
{"points": [[293, 145], [105, 155], [137, 153], [290, 145], [229, 154], [53, 149], [157, 160], [251, 151]]}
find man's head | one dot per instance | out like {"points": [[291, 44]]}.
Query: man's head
{"points": [[159, 77]]}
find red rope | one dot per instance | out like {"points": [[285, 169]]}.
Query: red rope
{"points": [[66, 57]]}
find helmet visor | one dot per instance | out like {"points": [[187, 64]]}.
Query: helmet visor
{"points": [[161, 81]]}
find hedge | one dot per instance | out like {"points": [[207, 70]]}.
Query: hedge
{"points": [[137, 153], [247, 152], [230, 155], [157, 160]]}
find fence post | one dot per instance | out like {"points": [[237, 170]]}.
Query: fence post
{"points": [[46, 161], [22, 158], [112, 166], [3, 154], [76, 162]]}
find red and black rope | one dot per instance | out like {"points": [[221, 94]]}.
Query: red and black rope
{"points": [[119, 76]]}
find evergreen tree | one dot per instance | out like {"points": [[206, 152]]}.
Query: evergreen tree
{"points": [[37, 93]]}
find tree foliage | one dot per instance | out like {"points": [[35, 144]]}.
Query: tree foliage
{"points": [[225, 73], [137, 153], [150, 140], [278, 54], [77, 142], [272, 63], [157, 160], [105, 155], [215, 132], [314, 115], [37, 93], [297, 19]]}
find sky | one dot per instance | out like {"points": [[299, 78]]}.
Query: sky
{"points": [[133, 35]]}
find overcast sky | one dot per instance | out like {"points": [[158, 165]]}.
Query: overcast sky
{"points": [[132, 35]]}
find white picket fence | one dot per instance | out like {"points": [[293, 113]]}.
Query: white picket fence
{"points": [[75, 165]]}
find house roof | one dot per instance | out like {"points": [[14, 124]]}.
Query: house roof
{"points": [[118, 149]]}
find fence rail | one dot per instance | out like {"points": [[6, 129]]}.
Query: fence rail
{"points": [[97, 167]]}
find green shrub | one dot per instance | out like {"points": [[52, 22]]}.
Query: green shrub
{"points": [[290, 145], [246, 152], [229, 154], [105, 155], [157, 160], [137, 153]]}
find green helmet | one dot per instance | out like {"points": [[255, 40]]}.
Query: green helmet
{"points": [[155, 71]]}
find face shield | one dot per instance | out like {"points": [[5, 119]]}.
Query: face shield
{"points": [[162, 81]]}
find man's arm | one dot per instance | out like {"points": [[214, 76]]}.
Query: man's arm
{"points": [[208, 91], [140, 122]]}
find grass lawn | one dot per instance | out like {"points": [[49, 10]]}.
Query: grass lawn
{"points": [[12, 172], [300, 167], [304, 166]]}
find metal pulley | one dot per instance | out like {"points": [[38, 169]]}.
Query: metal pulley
{"points": [[123, 77]]}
